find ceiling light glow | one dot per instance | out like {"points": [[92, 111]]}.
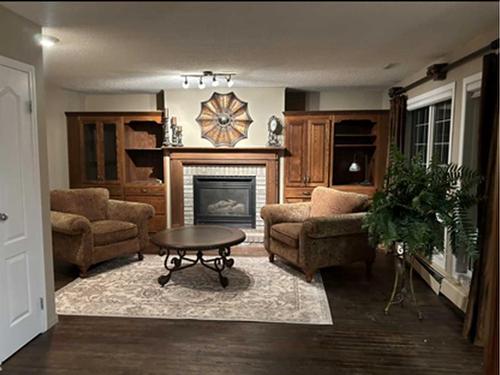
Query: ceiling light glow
{"points": [[46, 40]]}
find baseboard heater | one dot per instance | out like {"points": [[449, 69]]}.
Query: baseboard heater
{"points": [[440, 284], [429, 274]]}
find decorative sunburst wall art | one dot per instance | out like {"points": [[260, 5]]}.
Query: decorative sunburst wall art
{"points": [[224, 119]]}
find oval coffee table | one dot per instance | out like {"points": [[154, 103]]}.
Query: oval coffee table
{"points": [[197, 238]]}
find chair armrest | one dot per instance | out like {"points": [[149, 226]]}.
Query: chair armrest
{"points": [[67, 223], [285, 213], [132, 212], [334, 226]]}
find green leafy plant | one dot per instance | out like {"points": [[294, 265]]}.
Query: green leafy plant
{"points": [[419, 202]]}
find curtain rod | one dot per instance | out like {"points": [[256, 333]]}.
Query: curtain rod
{"points": [[437, 72]]}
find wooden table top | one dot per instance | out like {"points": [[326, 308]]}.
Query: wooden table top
{"points": [[198, 237]]}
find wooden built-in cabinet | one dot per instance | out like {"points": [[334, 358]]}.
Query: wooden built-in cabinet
{"points": [[322, 145], [120, 151], [307, 161]]}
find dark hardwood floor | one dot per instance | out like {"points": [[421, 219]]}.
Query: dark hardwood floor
{"points": [[362, 339]]}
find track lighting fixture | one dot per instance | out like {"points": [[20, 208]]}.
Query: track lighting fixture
{"points": [[201, 79]]}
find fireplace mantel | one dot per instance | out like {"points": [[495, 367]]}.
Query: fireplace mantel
{"points": [[184, 156], [173, 151]]}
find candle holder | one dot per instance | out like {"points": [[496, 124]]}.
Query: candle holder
{"points": [[166, 134]]}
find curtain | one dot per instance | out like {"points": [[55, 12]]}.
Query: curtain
{"points": [[481, 317], [397, 121]]}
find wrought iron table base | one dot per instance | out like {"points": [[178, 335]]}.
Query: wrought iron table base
{"points": [[217, 264]]}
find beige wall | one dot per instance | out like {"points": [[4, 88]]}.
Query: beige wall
{"points": [[119, 102], [17, 42], [262, 104], [456, 75], [347, 98], [59, 101]]}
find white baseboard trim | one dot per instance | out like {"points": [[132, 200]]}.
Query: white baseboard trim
{"points": [[444, 285]]}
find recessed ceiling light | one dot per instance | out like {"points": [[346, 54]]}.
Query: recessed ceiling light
{"points": [[390, 65], [46, 40]]}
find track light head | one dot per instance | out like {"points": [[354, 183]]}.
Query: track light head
{"points": [[201, 84], [215, 83]]}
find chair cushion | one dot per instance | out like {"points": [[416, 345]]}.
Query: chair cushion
{"points": [[91, 203], [110, 231], [288, 233], [327, 202]]}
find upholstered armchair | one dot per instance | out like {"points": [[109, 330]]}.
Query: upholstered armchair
{"points": [[88, 227], [315, 238]]}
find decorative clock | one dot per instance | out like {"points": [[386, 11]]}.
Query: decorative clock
{"points": [[224, 119], [275, 128]]}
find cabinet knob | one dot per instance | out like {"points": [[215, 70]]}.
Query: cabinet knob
{"points": [[144, 190], [3, 217], [306, 193]]}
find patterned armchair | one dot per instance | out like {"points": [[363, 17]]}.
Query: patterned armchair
{"points": [[313, 242], [88, 227]]}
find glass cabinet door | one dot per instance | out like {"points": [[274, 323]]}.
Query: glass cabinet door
{"points": [[110, 154], [90, 164]]}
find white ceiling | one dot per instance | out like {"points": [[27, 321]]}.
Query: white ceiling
{"points": [[145, 46]]}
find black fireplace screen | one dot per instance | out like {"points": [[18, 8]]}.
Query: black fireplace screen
{"points": [[225, 200]]}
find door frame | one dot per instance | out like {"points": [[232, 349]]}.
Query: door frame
{"points": [[30, 70]]}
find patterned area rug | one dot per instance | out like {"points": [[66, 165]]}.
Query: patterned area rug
{"points": [[257, 291]]}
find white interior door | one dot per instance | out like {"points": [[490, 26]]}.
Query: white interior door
{"points": [[22, 285]]}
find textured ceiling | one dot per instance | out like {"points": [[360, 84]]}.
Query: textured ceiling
{"points": [[145, 46]]}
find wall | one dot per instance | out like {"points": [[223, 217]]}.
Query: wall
{"points": [[346, 98], [17, 42], [119, 102], [262, 104], [59, 101]]}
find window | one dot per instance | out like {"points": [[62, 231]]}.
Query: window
{"points": [[430, 132], [468, 151]]}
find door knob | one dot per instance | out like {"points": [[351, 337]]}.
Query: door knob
{"points": [[3, 217]]}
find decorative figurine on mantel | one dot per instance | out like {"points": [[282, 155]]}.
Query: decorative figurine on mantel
{"points": [[166, 126], [275, 128], [176, 133]]}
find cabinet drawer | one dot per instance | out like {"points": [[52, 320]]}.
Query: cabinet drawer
{"points": [[156, 201], [114, 190], [297, 200], [157, 223], [131, 190], [298, 193]]}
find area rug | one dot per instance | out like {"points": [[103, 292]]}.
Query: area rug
{"points": [[258, 291]]}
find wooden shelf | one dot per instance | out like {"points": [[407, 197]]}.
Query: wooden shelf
{"points": [[144, 182]]}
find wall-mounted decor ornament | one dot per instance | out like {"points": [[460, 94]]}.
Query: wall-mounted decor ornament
{"points": [[274, 128], [224, 119]]}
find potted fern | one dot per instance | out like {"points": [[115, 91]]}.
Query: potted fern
{"points": [[419, 202]]}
